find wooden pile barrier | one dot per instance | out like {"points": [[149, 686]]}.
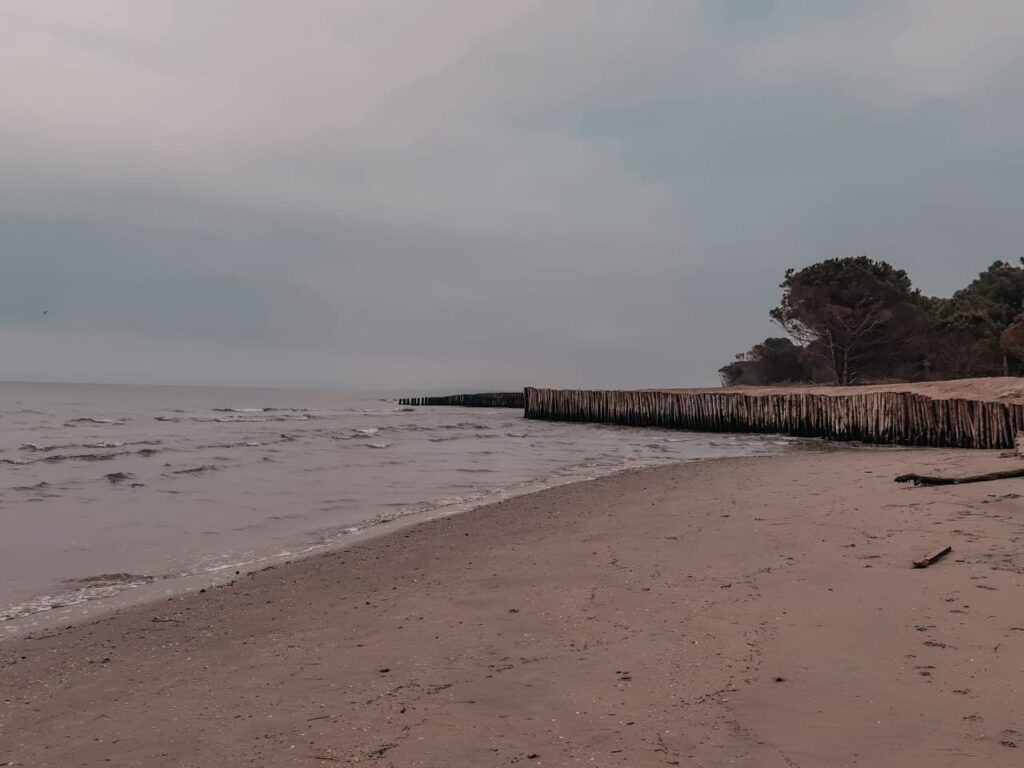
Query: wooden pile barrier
{"points": [[899, 418], [480, 400]]}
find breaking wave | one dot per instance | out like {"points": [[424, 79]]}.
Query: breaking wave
{"points": [[79, 591]]}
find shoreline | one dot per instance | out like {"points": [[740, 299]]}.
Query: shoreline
{"points": [[94, 520], [172, 587], [636, 619]]}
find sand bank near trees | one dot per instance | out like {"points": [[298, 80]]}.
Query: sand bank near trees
{"points": [[997, 389]]}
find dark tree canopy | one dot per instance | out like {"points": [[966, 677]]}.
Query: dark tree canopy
{"points": [[986, 308], [850, 313], [772, 361], [995, 298], [856, 319]]}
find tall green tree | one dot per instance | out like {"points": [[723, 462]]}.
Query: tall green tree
{"points": [[773, 361], [960, 346], [987, 307], [1011, 341], [856, 315]]}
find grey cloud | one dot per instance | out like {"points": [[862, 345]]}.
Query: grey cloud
{"points": [[393, 194]]}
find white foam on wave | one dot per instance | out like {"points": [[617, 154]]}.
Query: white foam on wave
{"points": [[246, 418], [85, 594], [44, 448]]}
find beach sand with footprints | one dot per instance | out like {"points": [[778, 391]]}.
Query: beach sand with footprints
{"points": [[756, 611]]}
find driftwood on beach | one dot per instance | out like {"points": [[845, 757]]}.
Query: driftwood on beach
{"points": [[889, 417], [1009, 474], [479, 400], [933, 557]]}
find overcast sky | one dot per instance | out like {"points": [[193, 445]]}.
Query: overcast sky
{"points": [[480, 194]]}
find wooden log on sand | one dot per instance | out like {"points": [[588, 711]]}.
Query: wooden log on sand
{"points": [[933, 557], [1008, 474]]}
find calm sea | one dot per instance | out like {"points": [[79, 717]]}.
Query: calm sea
{"points": [[110, 492]]}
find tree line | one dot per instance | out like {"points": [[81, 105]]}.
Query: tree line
{"points": [[858, 320]]}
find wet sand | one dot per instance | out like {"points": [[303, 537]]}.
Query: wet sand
{"points": [[757, 612]]}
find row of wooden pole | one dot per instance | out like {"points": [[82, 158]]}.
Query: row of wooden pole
{"points": [[899, 418], [480, 400]]}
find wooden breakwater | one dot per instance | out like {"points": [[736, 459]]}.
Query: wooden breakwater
{"points": [[479, 400], [898, 418]]}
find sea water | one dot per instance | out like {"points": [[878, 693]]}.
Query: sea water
{"points": [[106, 490]]}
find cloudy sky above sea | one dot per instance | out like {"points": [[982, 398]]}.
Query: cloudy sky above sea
{"points": [[469, 194]]}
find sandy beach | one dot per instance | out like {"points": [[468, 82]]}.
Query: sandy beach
{"points": [[1002, 389], [757, 612]]}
